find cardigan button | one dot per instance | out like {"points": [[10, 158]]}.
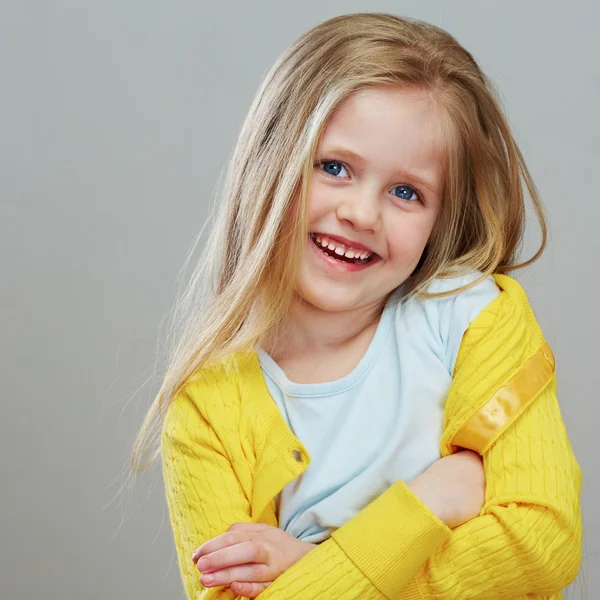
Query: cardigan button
{"points": [[297, 455]]}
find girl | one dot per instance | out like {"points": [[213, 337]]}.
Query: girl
{"points": [[363, 405]]}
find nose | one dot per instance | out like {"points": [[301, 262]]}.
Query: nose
{"points": [[361, 210]]}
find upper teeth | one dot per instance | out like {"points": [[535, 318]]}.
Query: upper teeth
{"points": [[341, 249]]}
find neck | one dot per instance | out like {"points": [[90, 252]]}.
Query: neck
{"points": [[306, 328]]}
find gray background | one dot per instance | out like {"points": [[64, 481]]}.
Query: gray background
{"points": [[116, 120]]}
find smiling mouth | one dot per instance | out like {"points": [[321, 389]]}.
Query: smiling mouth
{"points": [[341, 257]]}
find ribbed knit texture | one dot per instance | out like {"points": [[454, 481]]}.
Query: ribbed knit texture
{"points": [[227, 452]]}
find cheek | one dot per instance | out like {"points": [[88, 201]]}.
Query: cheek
{"points": [[409, 237], [319, 201]]}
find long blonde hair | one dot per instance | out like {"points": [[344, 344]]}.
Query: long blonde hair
{"points": [[243, 283]]}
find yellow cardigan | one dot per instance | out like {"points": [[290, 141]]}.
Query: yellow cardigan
{"points": [[227, 452]]}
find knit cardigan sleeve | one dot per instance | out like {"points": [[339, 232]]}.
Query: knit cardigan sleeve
{"points": [[528, 536]]}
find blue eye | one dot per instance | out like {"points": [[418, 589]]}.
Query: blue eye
{"points": [[407, 193], [337, 166]]}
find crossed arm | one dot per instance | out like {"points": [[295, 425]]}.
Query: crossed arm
{"points": [[527, 538]]}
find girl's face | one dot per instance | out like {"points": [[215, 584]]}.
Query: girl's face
{"points": [[377, 185]]}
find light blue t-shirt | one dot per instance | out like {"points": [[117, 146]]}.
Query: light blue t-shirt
{"points": [[383, 421]]}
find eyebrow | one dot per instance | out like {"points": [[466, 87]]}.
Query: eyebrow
{"points": [[358, 158]]}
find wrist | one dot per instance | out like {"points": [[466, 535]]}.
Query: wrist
{"points": [[431, 497]]}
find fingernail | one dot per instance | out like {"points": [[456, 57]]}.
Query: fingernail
{"points": [[208, 578], [203, 564]]}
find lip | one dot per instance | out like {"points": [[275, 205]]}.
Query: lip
{"points": [[338, 265], [342, 240]]}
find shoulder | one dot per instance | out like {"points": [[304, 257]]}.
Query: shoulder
{"points": [[210, 396], [508, 324], [510, 315], [452, 314], [475, 293]]}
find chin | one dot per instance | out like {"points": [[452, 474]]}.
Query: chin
{"points": [[327, 300]]}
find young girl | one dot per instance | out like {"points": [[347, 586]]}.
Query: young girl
{"points": [[366, 406]]}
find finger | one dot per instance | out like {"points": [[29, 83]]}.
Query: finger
{"points": [[245, 526], [229, 538], [251, 572], [249, 589], [239, 526], [238, 554]]}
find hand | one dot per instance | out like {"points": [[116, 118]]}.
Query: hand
{"points": [[248, 557], [453, 487]]}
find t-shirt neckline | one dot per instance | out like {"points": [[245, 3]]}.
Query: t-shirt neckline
{"points": [[306, 390]]}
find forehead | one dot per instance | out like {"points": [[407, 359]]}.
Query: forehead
{"points": [[394, 127]]}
